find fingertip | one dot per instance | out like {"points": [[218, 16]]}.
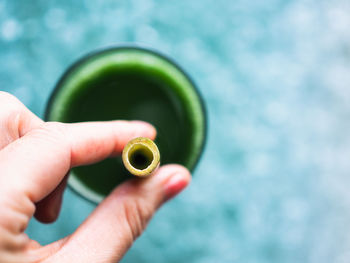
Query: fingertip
{"points": [[148, 129], [175, 168], [46, 216], [48, 209], [177, 179]]}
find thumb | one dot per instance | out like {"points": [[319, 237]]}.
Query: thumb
{"points": [[111, 229]]}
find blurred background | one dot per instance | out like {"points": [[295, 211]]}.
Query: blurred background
{"points": [[273, 184]]}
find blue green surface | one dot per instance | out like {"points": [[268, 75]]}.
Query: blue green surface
{"points": [[273, 184]]}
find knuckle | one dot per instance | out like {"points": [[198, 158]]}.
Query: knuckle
{"points": [[10, 121], [57, 133], [9, 100], [11, 114], [18, 209], [10, 105], [53, 126], [11, 243], [6, 95], [10, 124], [137, 214], [15, 119], [55, 130]]}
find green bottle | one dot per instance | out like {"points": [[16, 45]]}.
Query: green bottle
{"points": [[130, 83]]}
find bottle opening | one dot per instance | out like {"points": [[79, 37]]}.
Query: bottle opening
{"points": [[140, 156]]}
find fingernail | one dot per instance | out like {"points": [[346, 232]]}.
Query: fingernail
{"points": [[175, 185]]}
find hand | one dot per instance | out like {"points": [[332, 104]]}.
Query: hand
{"points": [[35, 157]]}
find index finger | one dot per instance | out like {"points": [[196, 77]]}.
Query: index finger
{"points": [[36, 163]]}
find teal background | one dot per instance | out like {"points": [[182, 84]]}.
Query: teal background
{"points": [[273, 184]]}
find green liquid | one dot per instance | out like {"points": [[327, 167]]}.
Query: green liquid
{"points": [[131, 84]]}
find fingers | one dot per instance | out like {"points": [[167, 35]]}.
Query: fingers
{"points": [[111, 229], [15, 119], [48, 209], [86, 143], [46, 154]]}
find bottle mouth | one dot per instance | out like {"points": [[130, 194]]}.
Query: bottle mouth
{"points": [[141, 157]]}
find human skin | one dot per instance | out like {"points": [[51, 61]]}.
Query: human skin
{"points": [[35, 158]]}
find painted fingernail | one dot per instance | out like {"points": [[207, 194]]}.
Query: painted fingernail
{"points": [[175, 185]]}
